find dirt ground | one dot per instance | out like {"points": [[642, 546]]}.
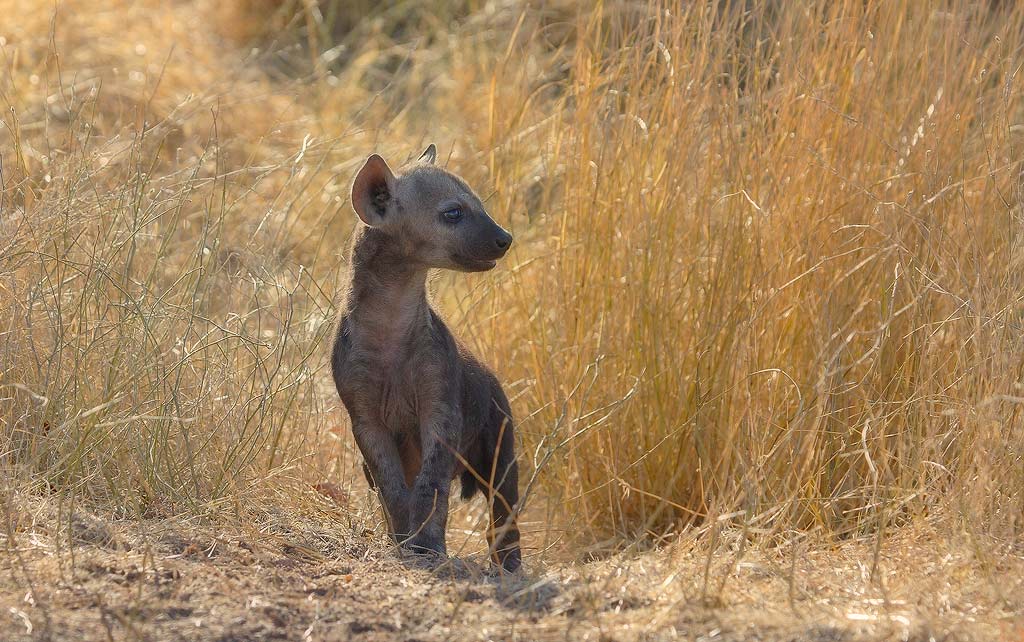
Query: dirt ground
{"points": [[315, 577]]}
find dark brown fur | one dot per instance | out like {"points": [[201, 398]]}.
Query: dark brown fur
{"points": [[423, 409]]}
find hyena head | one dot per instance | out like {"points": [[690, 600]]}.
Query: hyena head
{"points": [[432, 216]]}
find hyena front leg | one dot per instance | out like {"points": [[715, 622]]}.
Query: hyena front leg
{"points": [[428, 502], [383, 466]]}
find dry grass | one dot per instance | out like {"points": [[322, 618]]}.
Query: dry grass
{"points": [[767, 278], [791, 243]]}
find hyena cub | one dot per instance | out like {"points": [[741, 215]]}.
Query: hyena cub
{"points": [[423, 409]]}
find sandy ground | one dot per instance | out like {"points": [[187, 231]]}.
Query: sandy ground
{"points": [[292, 578]]}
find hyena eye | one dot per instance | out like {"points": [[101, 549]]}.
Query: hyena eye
{"points": [[453, 215]]}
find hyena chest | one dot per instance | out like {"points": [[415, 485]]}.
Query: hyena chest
{"points": [[398, 402], [386, 384]]}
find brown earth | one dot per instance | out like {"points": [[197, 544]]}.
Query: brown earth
{"points": [[319, 577]]}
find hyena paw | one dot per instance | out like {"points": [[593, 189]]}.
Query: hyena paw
{"points": [[510, 560], [424, 544]]}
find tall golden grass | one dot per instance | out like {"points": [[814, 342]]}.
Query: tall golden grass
{"points": [[767, 272]]}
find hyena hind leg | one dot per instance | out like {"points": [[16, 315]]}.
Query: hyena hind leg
{"points": [[501, 472]]}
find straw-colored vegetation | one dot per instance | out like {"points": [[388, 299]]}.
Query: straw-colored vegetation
{"points": [[766, 292]]}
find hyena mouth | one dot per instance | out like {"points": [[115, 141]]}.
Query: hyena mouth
{"points": [[473, 265]]}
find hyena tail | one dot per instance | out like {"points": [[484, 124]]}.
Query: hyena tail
{"points": [[469, 485]]}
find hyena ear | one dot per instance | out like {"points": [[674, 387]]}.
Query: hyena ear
{"points": [[429, 155], [372, 190]]}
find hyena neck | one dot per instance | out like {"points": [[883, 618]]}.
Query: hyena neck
{"points": [[387, 299]]}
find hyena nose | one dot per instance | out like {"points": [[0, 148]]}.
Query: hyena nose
{"points": [[503, 241]]}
